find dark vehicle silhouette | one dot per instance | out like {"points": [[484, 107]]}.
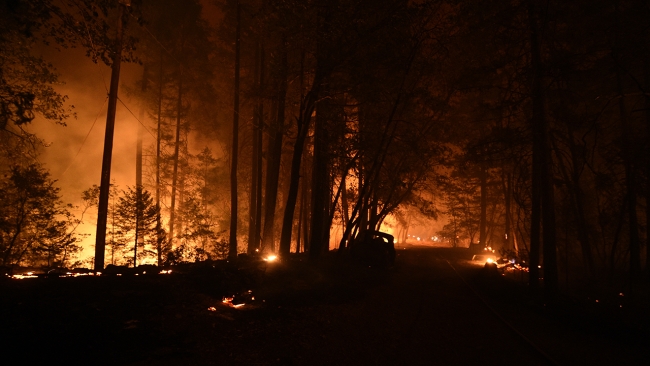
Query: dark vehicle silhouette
{"points": [[374, 249]]}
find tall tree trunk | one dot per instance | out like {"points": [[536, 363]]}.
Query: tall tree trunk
{"points": [[159, 234], [630, 185], [138, 173], [253, 226], [573, 182], [541, 170], [373, 208], [320, 178], [305, 212], [260, 141], [507, 192], [646, 70], [346, 213], [483, 217], [177, 143], [301, 215], [304, 120], [105, 181], [232, 249], [274, 158], [630, 169]]}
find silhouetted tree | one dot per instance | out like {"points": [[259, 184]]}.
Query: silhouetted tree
{"points": [[35, 226]]}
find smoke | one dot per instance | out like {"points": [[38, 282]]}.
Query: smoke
{"points": [[73, 153]]}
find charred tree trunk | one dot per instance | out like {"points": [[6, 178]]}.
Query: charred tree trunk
{"points": [[483, 218], [573, 182], [260, 143], [628, 161], [138, 174], [346, 212], [647, 162], [304, 121], [234, 156], [305, 210], [320, 177], [507, 192], [541, 172], [301, 215], [274, 158], [256, 163], [159, 234]]}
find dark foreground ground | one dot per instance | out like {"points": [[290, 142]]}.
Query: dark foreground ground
{"points": [[433, 308]]}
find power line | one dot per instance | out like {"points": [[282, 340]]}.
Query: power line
{"points": [[136, 118], [157, 41], [85, 138], [92, 44]]}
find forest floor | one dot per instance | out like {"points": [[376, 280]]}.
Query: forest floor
{"points": [[435, 307]]}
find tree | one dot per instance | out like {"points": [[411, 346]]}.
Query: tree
{"points": [[136, 207], [234, 156], [36, 228], [182, 100]]}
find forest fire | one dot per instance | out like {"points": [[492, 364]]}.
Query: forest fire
{"points": [[51, 274], [23, 276], [229, 302], [434, 123], [56, 273], [238, 300]]}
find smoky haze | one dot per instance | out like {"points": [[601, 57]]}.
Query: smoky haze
{"points": [[73, 154]]}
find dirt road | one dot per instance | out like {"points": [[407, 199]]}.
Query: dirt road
{"points": [[431, 309]]}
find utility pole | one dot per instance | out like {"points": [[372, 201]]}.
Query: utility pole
{"points": [[105, 182], [138, 175]]}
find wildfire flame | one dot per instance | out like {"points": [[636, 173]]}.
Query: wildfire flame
{"points": [[228, 301], [271, 258]]}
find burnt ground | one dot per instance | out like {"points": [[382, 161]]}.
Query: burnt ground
{"points": [[433, 308]]}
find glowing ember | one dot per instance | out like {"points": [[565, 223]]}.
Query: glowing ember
{"points": [[166, 271], [212, 308], [81, 274], [228, 301], [271, 258]]}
